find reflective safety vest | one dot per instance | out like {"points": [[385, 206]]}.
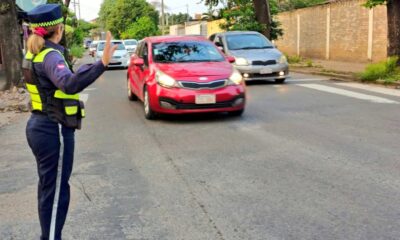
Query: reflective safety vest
{"points": [[63, 108]]}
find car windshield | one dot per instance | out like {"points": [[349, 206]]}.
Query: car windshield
{"points": [[247, 41], [131, 42], [101, 45], [93, 45], [168, 52]]}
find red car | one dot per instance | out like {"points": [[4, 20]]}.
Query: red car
{"points": [[184, 74]]}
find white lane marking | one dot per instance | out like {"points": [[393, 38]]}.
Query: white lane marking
{"points": [[348, 93], [58, 185], [308, 79], [89, 89], [377, 89], [84, 97]]}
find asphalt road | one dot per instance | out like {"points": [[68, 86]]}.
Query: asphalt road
{"points": [[310, 159]]}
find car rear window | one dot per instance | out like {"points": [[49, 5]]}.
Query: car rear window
{"points": [[182, 51]]}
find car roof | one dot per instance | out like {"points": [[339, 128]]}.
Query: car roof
{"points": [[158, 39], [238, 32]]}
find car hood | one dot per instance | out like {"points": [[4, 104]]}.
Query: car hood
{"points": [[215, 70], [257, 54]]}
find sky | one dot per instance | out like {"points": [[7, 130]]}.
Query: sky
{"points": [[90, 8]]}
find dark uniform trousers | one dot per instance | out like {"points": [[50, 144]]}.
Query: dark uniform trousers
{"points": [[53, 147]]}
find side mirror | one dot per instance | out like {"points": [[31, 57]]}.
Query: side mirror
{"points": [[138, 61], [231, 59]]}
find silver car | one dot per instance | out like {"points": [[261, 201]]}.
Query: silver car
{"points": [[255, 56], [131, 45], [120, 58]]}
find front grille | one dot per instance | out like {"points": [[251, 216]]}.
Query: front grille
{"points": [[207, 85], [258, 75], [264, 63], [115, 63]]}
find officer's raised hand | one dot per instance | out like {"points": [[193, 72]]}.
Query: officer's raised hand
{"points": [[108, 50]]}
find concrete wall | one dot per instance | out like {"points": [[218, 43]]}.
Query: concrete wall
{"points": [[178, 29], [213, 27], [343, 31], [196, 28]]}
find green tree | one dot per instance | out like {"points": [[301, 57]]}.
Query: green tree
{"points": [[118, 15], [261, 8], [144, 27], [287, 5], [393, 15]]}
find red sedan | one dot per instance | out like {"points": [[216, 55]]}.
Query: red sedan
{"points": [[182, 74]]}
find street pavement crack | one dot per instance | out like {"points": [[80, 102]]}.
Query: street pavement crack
{"points": [[82, 189], [179, 173]]}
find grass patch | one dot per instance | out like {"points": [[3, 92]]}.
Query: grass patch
{"points": [[294, 59], [77, 51], [386, 71]]}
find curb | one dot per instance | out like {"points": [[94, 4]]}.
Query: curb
{"points": [[342, 77]]}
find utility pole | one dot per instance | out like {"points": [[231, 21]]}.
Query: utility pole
{"points": [[162, 18], [187, 12]]}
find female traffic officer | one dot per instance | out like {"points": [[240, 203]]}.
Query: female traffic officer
{"points": [[56, 112]]}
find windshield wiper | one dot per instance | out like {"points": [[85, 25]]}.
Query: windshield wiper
{"points": [[246, 48]]}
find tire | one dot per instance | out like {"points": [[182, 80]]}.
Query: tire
{"points": [[280, 81], [148, 112], [237, 113], [131, 95]]}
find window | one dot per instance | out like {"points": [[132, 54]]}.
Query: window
{"points": [[190, 51]]}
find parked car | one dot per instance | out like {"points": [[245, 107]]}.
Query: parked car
{"points": [[120, 57], [86, 43], [255, 56], [131, 45], [93, 48], [184, 74]]}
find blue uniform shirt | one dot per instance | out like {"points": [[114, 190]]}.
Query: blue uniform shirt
{"points": [[54, 73]]}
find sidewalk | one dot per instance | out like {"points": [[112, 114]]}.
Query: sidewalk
{"points": [[334, 69]]}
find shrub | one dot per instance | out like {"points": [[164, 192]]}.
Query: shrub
{"points": [[77, 51], [294, 59], [309, 63], [386, 70]]}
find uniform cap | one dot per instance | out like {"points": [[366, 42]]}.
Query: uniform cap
{"points": [[45, 15]]}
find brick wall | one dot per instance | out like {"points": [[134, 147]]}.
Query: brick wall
{"points": [[342, 31]]}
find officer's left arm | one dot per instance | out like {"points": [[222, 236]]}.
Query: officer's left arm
{"points": [[70, 83]]}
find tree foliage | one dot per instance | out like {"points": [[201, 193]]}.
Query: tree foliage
{"points": [[142, 28], [240, 15], [288, 5], [119, 15]]}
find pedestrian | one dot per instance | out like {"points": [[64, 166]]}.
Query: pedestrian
{"points": [[56, 112]]}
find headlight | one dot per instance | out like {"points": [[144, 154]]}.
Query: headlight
{"points": [[241, 61], [165, 80], [282, 59], [236, 78]]}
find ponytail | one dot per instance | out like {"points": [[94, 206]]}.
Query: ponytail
{"points": [[35, 44], [36, 40]]}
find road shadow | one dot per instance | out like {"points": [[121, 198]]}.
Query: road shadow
{"points": [[261, 82], [197, 118]]}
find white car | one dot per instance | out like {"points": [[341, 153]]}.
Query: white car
{"points": [[92, 48], [131, 45], [121, 56]]}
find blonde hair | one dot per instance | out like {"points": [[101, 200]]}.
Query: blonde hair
{"points": [[36, 43]]}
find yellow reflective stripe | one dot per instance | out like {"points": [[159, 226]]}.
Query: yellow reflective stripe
{"points": [[83, 112], [36, 106], [47, 24], [29, 56], [71, 110], [40, 57], [61, 95], [36, 98], [32, 88]]}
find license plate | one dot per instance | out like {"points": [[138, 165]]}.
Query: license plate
{"points": [[205, 99], [266, 71]]}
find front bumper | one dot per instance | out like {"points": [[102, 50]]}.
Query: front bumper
{"points": [[119, 62], [181, 101], [269, 72]]}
